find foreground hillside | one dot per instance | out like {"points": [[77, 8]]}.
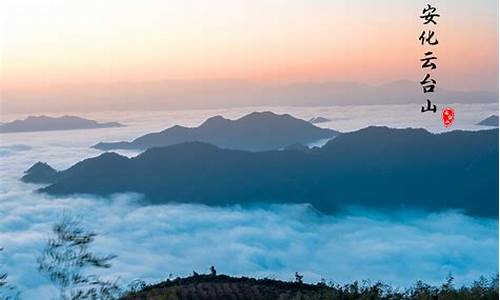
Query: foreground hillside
{"points": [[211, 287], [376, 167]]}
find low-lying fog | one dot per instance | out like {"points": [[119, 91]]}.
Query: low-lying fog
{"points": [[275, 241]]}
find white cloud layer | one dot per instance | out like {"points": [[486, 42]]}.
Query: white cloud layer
{"points": [[275, 241]]}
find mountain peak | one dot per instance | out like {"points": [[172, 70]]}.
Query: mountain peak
{"points": [[316, 120], [263, 116], [257, 131], [40, 172], [40, 167], [215, 120], [490, 121]]}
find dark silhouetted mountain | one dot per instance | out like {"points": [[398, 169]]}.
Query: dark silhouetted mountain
{"points": [[375, 167], [317, 120], [45, 123], [490, 121], [40, 173], [258, 131]]}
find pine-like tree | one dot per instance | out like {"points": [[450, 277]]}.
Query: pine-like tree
{"points": [[7, 291], [68, 262]]}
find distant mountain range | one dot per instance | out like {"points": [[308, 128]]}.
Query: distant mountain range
{"points": [[375, 167], [258, 131], [196, 94], [317, 120], [45, 123], [490, 121]]}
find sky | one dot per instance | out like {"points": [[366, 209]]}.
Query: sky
{"points": [[54, 43]]}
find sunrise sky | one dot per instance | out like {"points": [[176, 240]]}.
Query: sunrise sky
{"points": [[58, 42]]}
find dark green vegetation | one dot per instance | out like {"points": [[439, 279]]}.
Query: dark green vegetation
{"points": [[253, 132], [45, 123], [375, 167], [204, 287], [489, 121]]}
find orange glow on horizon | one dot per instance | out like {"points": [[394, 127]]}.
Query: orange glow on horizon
{"points": [[78, 43]]}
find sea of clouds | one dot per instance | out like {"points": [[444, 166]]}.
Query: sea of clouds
{"points": [[152, 242]]}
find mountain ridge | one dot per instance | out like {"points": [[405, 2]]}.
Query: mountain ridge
{"points": [[375, 167], [209, 94], [47, 123], [257, 131], [490, 121]]}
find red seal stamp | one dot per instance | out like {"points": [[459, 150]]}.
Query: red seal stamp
{"points": [[448, 116]]}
